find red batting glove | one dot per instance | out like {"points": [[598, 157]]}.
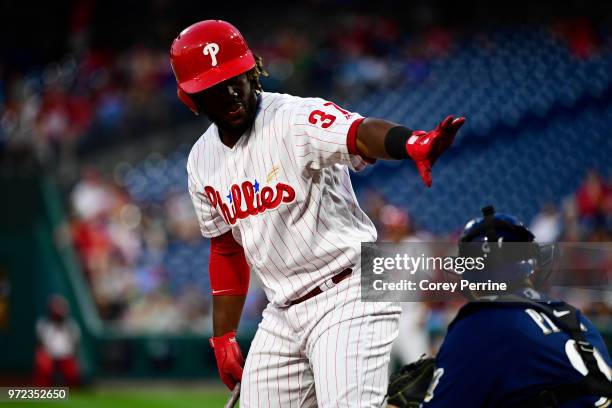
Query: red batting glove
{"points": [[425, 147], [229, 358]]}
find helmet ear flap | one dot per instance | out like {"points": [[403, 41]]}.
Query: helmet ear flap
{"points": [[186, 99]]}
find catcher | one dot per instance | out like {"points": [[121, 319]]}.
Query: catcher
{"points": [[516, 349]]}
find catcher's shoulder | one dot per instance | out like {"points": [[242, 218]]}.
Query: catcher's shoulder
{"points": [[493, 325]]}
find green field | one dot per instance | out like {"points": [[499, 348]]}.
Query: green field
{"points": [[134, 398]]}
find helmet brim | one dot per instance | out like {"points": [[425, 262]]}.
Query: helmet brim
{"points": [[218, 74]]}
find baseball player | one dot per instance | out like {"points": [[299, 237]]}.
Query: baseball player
{"points": [[58, 338], [270, 185], [512, 349]]}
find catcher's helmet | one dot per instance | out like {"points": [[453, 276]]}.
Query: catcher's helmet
{"points": [[205, 54], [491, 227], [485, 236]]}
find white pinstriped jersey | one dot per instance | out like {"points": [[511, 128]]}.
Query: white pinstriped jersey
{"points": [[285, 193]]}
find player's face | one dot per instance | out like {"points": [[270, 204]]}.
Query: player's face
{"points": [[230, 104]]}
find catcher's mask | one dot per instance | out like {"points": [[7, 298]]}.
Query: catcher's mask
{"points": [[508, 248]]}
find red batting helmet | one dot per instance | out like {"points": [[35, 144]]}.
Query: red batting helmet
{"points": [[205, 54]]}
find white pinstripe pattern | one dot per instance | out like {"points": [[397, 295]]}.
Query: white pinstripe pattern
{"points": [[331, 350], [315, 358], [298, 245]]}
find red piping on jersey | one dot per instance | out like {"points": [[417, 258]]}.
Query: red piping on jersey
{"points": [[351, 141], [228, 269]]}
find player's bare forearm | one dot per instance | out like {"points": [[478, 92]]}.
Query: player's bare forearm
{"points": [[226, 313], [371, 135], [380, 139], [375, 141]]}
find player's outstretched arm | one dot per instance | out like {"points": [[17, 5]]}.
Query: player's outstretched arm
{"points": [[229, 281], [380, 139]]}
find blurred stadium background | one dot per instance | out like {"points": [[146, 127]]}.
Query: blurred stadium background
{"points": [[93, 146]]}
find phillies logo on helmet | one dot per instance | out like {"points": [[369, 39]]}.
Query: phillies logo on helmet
{"points": [[255, 201], [212, 49]]}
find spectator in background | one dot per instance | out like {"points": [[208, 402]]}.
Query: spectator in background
{"points": [[593, 196], [594, 205], [58, 337], [180, 217], [546, 226], [90, 197]]}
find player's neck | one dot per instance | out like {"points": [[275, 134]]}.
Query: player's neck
{"points": [[229, 138]]}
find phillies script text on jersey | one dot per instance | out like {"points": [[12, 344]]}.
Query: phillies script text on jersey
{"points": [[256, 202]]}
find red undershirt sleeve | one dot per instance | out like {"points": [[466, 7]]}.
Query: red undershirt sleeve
{"points": [[228, 268]]}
